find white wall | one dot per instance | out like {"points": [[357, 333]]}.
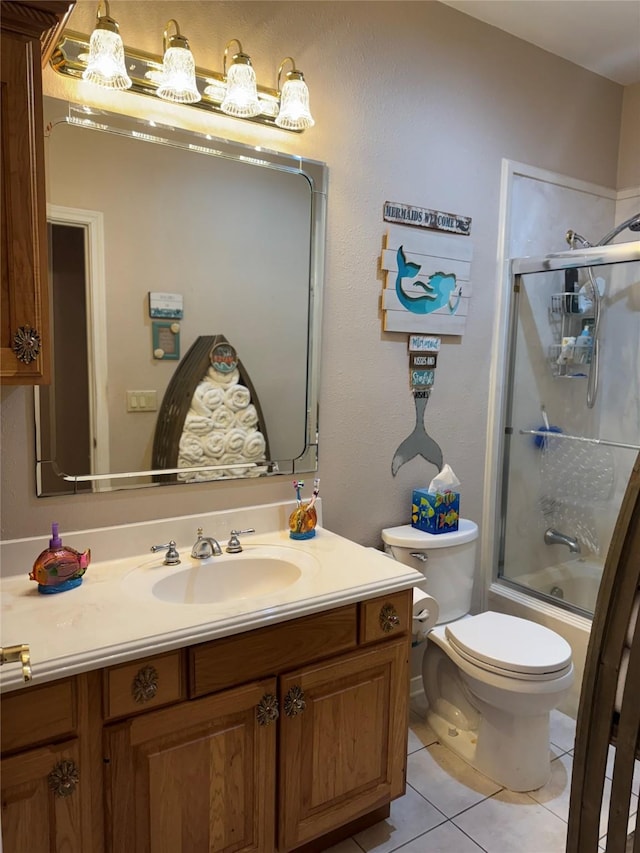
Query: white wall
{"points": [[414, 102]]}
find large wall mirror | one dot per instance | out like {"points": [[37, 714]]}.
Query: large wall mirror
{"points": [[184, 269]]}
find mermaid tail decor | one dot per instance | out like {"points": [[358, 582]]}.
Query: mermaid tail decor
{"points": [[419, 443]]}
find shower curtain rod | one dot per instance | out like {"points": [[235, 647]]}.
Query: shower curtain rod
{"points": [[546, 434]]}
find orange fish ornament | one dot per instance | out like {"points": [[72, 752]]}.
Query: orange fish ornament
{"points": [[59, 567]]}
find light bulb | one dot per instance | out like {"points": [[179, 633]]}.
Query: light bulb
{"points": [[178, 80], [106, 55], [241, 98], [294, 104]]}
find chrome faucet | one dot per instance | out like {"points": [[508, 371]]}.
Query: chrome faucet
{"points": [[233, 545], [172, 557], [205, 547], [554, 537]]}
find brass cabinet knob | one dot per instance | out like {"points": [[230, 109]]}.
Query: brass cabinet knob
{"points": [[294, 702], [267, 709], [63, 778], [26, 344], [145, 684], [389, 618]]}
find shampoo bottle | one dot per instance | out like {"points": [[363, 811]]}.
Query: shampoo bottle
{"points": [[59, 567], [583, 346]]}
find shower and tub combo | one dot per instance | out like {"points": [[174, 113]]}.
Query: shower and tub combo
{"points": [[570, 428]]}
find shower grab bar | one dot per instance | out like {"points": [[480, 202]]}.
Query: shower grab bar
{"points": [[563, 435]]}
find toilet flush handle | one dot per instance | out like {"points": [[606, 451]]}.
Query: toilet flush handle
{"points": [[419, 555]]}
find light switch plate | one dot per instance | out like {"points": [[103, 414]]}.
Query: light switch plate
{"points": [[142, 401]]}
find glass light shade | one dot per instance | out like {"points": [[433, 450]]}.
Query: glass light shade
{"points": [[178, 81], [294, 105], [241, 98], [216, 90], [106, 60]]}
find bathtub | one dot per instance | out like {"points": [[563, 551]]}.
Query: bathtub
{"points": [[578, 581]]}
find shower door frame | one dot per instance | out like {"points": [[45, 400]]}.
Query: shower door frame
{"points": [[595, 256]]}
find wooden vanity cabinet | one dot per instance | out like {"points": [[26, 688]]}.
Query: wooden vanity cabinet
{"points": [[28, 32], [273, 740]]}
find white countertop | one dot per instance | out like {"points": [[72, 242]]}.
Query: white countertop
{"points": [[108, 619]]}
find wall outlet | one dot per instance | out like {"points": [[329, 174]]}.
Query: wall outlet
{"points": [[142, 401]]}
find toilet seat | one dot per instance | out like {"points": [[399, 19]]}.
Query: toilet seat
{"points": [[510, 646]]}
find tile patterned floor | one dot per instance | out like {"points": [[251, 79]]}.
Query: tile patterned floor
{"points": [[451, 808]]}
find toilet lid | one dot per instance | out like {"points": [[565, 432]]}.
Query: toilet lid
{"points": [[509, 644]]}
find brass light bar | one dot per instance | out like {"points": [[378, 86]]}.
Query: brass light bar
{"points": [[70, 59]]}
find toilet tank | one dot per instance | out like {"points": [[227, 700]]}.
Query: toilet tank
{"points": [[447, 561]]}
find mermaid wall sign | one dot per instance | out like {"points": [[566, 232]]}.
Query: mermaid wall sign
{"points": [[427, 288]]}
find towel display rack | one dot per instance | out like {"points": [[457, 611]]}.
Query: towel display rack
{"points": [[609, 711]]}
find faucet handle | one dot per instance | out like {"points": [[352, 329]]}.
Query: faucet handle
{"points": [[172, 558], [233, 545], [18, 654]]}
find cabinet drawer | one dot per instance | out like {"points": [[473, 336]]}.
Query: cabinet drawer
{"points": [[269, 651], [385, 617], [147, 683], [36, 715]]}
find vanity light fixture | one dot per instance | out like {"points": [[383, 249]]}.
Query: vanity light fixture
{"points": [[105, 66], [232, 92], [178, 76], [241, 95], [294, 111]]}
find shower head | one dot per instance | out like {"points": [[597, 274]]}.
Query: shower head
{"points": [[577, 240], [633, 224]]}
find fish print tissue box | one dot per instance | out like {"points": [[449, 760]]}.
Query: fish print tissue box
{"points": [[435, 512]]}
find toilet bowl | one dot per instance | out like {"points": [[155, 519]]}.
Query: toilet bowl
{"points": [[491, 680]]}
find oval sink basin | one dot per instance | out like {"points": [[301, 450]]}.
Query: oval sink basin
{"points": [[254, 573], [249, 578]]}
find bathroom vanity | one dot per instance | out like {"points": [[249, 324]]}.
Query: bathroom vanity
{"points": [[217, 737]]}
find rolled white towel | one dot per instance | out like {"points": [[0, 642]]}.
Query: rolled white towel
{"points": [[247, 418], [211, 396], [225, 379], [198, 424], [254, 446], [237, 397], [235, 460], [198, 407], [234, 442], [222, 418], [190, 451], [199, 476], [214, 444]]}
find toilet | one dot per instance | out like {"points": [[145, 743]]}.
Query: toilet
{"points": [[490, 680]]}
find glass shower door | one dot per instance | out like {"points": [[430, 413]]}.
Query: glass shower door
{"points": [[571, 420]]}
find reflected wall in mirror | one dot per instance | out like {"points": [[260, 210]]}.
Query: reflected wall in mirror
{"points": [[236, 232]]}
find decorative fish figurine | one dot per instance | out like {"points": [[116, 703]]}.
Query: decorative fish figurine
{"points": [[419, 443], [59, 567], [440, 290]]}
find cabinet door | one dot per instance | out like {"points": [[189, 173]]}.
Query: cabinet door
{"points": [[29, 34], [343, 740], [198, 777], [25, 297], [41, 801]]}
